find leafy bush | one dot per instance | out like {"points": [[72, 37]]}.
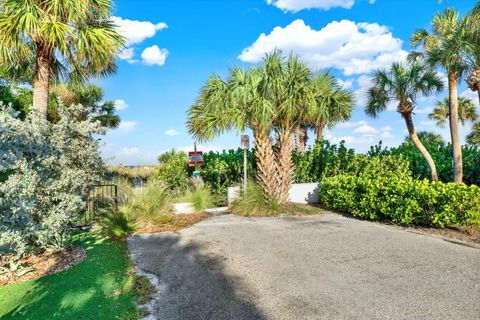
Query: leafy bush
{"points": [[45, 170], [385, 190], [173, 171], [441, 153], [223, 170]]}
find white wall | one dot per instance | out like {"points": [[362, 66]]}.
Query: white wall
{"points": [[304, 193], [299, 193]]}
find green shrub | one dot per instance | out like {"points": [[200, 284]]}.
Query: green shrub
{"points": [[48, 166], [173, 171], [225, 169], [385, 190]]}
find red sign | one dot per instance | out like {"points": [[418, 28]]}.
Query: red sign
{"points": [[195, 158]]}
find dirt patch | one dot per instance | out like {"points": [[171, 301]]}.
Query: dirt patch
{"points": [[37, 266], [180, 222], [468, 235]]}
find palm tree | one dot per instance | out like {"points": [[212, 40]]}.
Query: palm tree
{"points": [[472, 48], [403, 83], [474, 137], [239, 102], [333, 104], [88, 95], [466, 111], [445, 47], [288, 86], [67, 39]]}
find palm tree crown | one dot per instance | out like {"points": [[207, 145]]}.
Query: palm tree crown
{"points": [[466, 111], [402, 83], [67, 39]]}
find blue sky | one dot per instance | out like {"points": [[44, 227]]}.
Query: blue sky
{"points": [[173, 46]]}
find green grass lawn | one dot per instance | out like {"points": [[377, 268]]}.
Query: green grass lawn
{"points": [[100, 287]]}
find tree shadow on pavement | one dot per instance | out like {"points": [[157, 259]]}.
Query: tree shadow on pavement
{"points": [[192, 283]]}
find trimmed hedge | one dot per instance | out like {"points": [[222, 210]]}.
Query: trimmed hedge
{"points": [[385, 190]]}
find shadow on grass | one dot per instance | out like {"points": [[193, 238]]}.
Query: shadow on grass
{"points": [[193, 284], [97, 288]]}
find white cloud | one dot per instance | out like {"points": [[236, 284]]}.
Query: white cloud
{"points": [[136, 31], [354, 48], [127, 54], [298, 5], [472, 96], [172, 133], [120, 104], [350, 124], [126, 127], [154, 56], [346, 84], [365, 129]]}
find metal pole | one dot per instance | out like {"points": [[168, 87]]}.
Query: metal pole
{"points": [[245, 151]]}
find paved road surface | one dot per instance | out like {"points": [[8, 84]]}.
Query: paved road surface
{"points": [[321, 267]]}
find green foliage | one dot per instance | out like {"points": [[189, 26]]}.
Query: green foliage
{"points": [[200, 197], [385, 190], [441, 154], [325, 160], [116, 224], [100, 287], [150, 204], [253, 203], [173, 171], [223, 170], [49, 167]]}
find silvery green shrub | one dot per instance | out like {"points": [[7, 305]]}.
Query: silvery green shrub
{"points": [[44, 169]]}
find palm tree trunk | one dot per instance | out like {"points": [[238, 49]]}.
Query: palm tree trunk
{"points": [[301, 137], [41, 79], [453, 115], [320, 128], [284, 165], [266, 171], [418, 144]]}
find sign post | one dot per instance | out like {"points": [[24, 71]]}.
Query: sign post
{"points": [[245, 147]]}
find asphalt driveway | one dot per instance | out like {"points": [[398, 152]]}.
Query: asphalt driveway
{"points": [[320, 267]]}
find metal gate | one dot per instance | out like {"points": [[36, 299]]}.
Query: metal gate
{"points": [[100, 196]]}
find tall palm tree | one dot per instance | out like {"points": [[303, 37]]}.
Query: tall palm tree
{"points": [[444, 47], [290, 92], [237, 103], [471, 26], [403, 83], [474, 137], [466, 111], [67, 39]]}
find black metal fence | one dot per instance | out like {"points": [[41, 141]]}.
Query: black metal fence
{"points": [[100, 196]]}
